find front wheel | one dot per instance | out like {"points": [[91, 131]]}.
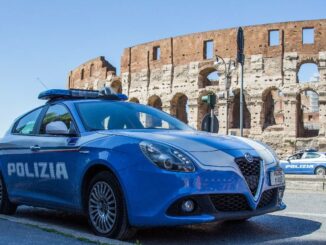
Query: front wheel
{"points": [[320, 171], [107, 213], [6, 207]]}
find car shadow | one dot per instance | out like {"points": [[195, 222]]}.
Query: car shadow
{"points": [[262, 229]]}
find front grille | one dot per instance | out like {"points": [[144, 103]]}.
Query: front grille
{"points": [[251, 172], [230, 202], [267, 198]]}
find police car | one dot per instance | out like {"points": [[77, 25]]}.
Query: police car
{"points": [[129, 166], [305, 162]]}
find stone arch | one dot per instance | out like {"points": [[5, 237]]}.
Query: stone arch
{"points": [[308, 71], [272, 110], [134, 100], [179, 107], [308, 118], [234, 111], [155, 102], [117, 86], [208, 76]]}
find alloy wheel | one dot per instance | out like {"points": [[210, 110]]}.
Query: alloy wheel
{"points": [[320, 171], [102, 207]]}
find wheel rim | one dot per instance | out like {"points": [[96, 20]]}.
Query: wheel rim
{"points": [[102, 207], [320, 171]]}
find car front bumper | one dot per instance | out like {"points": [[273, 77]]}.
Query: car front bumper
{"points": [[154, 197]]}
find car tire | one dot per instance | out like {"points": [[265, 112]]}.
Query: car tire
{"points": [[106, 208], [321, 171], [6, 207]]}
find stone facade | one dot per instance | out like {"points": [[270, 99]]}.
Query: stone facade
{"points": [[172, 74], [94, 74]]}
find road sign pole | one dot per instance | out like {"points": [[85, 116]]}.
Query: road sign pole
{"points": [[212, 120], [241, 100]]}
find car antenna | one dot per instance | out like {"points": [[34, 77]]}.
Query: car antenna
{"points": [[42, 83]]}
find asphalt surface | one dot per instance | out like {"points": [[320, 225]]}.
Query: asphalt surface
{"points": [[303, 222], [12, 233]]}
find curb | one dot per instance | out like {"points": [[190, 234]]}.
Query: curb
{"points": [[82, 236]]}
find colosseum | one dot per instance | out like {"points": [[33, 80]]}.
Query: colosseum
{"points": [[280, 108]]}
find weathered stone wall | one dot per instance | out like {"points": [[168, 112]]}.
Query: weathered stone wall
{"points": [[94, 74], [178, 78]]}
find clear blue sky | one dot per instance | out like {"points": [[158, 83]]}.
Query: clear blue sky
{"points": [[47, 39]]}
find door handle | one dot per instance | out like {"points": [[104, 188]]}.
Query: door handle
{"points": [[35, 148]]}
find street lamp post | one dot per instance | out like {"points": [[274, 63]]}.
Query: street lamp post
{"points": [[240, 59], [227, 73]]}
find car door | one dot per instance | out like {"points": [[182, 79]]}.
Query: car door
{"points": [[16, 155], [293, 164], [308, 162], [56, 158]]}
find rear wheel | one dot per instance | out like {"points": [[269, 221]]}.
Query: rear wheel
{"points": [[320, 171], [107, 213], [6, 207]]}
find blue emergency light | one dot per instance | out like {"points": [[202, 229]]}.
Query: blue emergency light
{"points": [[105, 93]]}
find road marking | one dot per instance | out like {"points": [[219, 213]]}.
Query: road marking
{"points": [[304, 214]]}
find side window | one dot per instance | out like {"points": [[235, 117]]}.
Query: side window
{"points": [[56, 113], [310, 155], [295, 156], [25, 125]]}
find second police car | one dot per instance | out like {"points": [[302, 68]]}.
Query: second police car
{"points": [[305, 162], [128, 166]]}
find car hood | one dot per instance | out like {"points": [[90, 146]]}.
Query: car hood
{"points": [[191, 141], [209, 149]]}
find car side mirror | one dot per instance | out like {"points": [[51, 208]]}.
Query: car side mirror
{"points": [[57, 128]]}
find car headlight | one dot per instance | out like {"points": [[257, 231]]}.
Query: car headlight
{"points": [[167, 157]]}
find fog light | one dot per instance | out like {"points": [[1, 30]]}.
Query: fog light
{"points": [[188, 206]]}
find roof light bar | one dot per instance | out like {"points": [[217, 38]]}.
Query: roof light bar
{"points": [[105, 93]]}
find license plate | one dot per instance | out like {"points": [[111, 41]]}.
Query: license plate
{"points": [[277, 177]]}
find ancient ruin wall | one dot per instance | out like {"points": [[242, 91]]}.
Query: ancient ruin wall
{"points": [[173, 73], [182, 68], [92, 74]]}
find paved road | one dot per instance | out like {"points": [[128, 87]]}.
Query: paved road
{"points": [[12, 233], [303, 221]]}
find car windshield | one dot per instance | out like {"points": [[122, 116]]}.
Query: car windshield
{"points": [[110, 115]]}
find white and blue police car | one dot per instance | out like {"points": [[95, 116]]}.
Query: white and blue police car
{"points": [[129, 166], [308, 161]]}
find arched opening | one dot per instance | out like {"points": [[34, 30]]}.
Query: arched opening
{"points": [[273, 106], [91, 70], [82, 74], [234, 112], [208, 77], [116, 85], [308, 72], [155, 102], [308, 122], [134, 100], [179, 107]]}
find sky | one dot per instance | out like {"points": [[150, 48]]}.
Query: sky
{"points": [[41, 41]]}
